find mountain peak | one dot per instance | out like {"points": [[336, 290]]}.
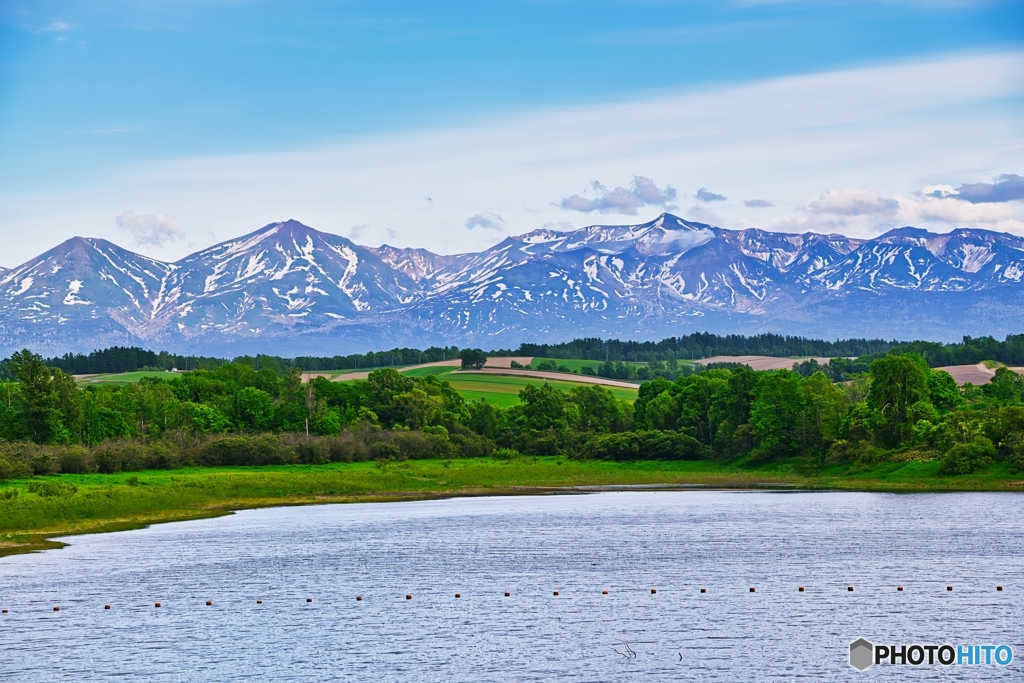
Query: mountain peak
{"points": [[288, 288]]}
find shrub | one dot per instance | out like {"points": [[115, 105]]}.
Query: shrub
{"points": [[50, 488], [263, 449], [9, 493], [13, 469], [119, 455], [505, 454], [646, 445], [967, 458], [75, 460], [1016, 458], [471, 445]]}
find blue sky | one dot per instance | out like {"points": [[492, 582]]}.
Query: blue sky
{"points": [[187, 112]]}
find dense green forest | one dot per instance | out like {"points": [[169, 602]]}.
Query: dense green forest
{"points": [[236, 414]]}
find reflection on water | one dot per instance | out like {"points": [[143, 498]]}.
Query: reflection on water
{"points": [[625, 543]]}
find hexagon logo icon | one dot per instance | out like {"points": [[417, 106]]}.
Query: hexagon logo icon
{"points": [[862, 654]]}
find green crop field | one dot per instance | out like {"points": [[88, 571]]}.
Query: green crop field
{"points": [[128, 377], [501, 390], [427, 372], [504, 389], [577, 365]]}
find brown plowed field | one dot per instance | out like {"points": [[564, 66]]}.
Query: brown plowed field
{"points": [[974, 374]]}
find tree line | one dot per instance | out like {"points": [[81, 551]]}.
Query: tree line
{"points": [[237, 414], [850, 355]]}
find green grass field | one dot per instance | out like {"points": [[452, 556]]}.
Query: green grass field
{"points": [[501, 390], [91, 503], [578, 365]]}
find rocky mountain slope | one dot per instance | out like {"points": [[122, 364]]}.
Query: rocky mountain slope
{"points": [[290, 289]]}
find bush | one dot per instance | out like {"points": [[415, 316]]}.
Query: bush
{"points": [[1016, 459], [506, 454], [646, 445], [471, 445], [117, 456], [9, 493], [75, 460], [51, 488], [420, 446], [968, 458], [263, 449], [13, 469]]}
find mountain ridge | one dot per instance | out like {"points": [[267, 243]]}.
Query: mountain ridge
{"points": [[289, 288]]}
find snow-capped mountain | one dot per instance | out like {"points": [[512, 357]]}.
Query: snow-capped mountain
{"points": [[291, 290]]}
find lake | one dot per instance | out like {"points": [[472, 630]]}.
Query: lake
{"points": [[626, 543]]}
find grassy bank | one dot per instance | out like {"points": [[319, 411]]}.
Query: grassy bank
{"points": [[47, 507]]}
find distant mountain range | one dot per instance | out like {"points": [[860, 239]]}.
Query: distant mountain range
{"points": [[291, 290]]}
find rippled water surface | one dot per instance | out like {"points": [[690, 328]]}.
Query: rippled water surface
{"points": [[625, 543]]}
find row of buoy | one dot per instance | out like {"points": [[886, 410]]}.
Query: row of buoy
{"points": [[408, 596]]}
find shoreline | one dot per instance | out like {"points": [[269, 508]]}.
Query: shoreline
{"points": [[104, 503]]}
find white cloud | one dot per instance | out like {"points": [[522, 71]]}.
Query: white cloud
{"points": [[888, 129], [854, 203], [920, 209], [705, 195], [151, 229], [485, 220], [865, 213], [622, 200], [356, 231], [1008, 187], [702, 214]]}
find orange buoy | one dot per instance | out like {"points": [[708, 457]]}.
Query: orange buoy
{"points": [[106, 606], [899, 588], [998, 588], [408, 597], [507, 594], [703, 590], [752, 589], [653, 591], [259, 602], [849, 589], [3, 611], [209, 602], [359, 598], [556, 593], [801, 589], [949, 588], [156, 605], [604, 592], [458, 595], [309, 599], [56, 609]]}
